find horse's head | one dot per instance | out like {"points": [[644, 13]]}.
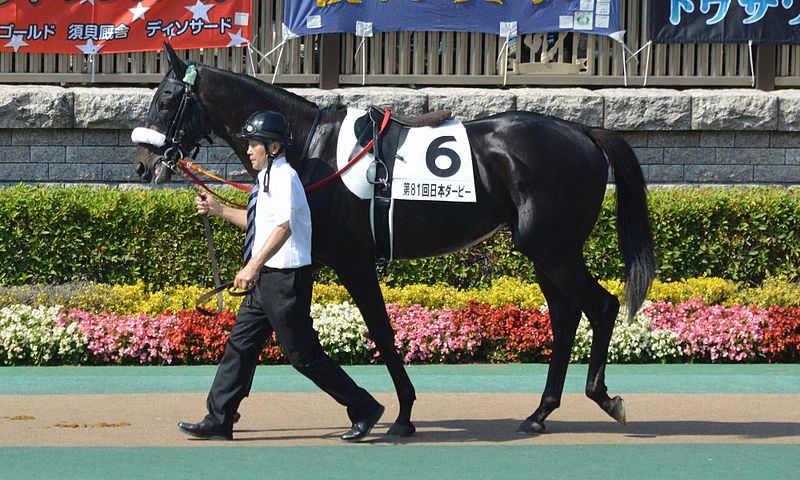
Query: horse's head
{"points": [[175, 123]]}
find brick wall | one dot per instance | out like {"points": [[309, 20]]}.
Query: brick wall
{"points": [[718, 156], [88, 156]]}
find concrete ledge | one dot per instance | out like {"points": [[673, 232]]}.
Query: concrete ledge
{"points": [[323, 98], [788, 110], [574, 104], [733, 110], [646, 109], [111, 108], [403, 101], [37, 106], [628, 109], [469, 103]]}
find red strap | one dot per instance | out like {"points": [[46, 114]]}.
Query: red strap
{"points": [[184, 166], [206, 188], [198, 168], [364, 151]]}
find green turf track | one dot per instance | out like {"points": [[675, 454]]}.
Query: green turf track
{"points": [[378, 462], [698, 461], [529, 378]]}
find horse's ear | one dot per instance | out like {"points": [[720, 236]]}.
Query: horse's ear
{"points": [[178, 65]]}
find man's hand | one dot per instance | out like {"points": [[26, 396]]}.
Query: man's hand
{"points": [[246, 278], [207, 205]]}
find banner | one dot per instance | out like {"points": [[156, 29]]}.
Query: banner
{"points": [[114, 26], [725, 21], [502, 17]]}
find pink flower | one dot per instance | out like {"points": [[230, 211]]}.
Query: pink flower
{"points": [[138, 339], [435, 336], [712, 332]]}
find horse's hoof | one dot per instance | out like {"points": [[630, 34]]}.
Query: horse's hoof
{"points": [[530, 427], [616, 409], [402, 429]]}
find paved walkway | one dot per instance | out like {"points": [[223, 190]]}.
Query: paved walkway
{"points": [[685, 421]]}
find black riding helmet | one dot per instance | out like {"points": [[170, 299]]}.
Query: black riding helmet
{"points": [[267, 126]]}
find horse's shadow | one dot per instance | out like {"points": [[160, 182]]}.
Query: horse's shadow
{"points": [[503, 431], [688, 428]]}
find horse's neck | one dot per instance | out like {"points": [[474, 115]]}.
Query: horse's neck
{"points": [[232, 98], [322, 147], [304, 123]]}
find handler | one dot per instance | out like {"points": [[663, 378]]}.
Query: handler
{"points": [[279, 272]]}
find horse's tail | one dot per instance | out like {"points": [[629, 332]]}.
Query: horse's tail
{"points": [[633, 224]]}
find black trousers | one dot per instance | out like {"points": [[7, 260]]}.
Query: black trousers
{"points": [[280, 302]]}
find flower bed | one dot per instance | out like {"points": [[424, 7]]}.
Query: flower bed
{"points": [[690, 331]]}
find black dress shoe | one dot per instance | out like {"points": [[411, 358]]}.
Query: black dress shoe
{"points": [[362, 428], [206, 430]]}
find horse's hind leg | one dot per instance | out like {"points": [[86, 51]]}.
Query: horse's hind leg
{"points": [[601, 309], [602, 322], [564, 318], [362, 284], [565, 278]]}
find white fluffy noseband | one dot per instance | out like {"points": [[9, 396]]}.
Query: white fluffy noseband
{"points": [[148, 136]]}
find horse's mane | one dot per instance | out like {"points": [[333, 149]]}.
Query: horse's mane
{"points": [[262, 87]]}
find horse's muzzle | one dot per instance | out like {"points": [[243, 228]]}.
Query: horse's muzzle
{"points": [[143, 172], [153, 169], [163, 174]]}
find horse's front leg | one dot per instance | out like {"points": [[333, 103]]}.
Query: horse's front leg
{"points": [[361, 282]]}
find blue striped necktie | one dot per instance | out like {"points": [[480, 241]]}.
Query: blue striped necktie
{"points": [[250, 234]]}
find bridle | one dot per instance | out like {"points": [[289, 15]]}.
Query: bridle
{"points": [[177, 130], [190, 120]]}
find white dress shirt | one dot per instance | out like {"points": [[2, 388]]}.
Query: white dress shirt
{"points": [[285, 201]]}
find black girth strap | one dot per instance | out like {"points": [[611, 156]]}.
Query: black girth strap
{"points": [[379, 174], [381, 204], [382, 166]]}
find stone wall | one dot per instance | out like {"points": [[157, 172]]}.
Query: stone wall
{"points": [[69, 135]]}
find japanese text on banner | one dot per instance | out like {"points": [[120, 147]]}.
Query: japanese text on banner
{"points": [[114, 26], [303, 17]]}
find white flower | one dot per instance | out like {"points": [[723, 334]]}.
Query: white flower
{"points": [[632, 341], [32, 336], [342, 332]]}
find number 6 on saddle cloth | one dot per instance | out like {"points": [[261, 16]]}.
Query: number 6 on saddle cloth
{"points": [[416, 143]]}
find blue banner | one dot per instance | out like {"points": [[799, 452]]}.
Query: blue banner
{"points": [[502, 17], [725, 21]]}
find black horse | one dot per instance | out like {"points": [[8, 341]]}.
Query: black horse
{"points": [[541, 177]]}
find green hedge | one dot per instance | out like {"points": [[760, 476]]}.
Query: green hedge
{"points": [[51, 235], [741, 234], [106, 235]]}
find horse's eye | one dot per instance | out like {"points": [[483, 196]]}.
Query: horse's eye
{"points": [[164, 104]]}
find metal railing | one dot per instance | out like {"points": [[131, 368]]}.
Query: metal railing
{"points": [[438, 58]]}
